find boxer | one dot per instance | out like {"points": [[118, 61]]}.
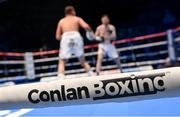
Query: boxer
{"points": [[71, 40], [107, 32]]}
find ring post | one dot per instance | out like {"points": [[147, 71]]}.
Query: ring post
{"points": [[29, 65], [171, 49]]}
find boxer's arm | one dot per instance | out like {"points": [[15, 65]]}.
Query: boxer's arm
{"points": [[84, 25], [97, 33], [113, 35], [58, 32]]}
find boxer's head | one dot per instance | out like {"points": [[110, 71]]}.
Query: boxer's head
{"points": [[70, 10], [105, 19]]}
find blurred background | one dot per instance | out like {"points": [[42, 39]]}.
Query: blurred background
{"points": [[148, 35], [28, 25]]}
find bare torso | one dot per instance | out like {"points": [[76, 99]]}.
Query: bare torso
{"points": [[69, 23], [102, 31]]}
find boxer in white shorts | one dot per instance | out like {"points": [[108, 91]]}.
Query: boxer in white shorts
{"points": [[71, 44], [71, 40], [107, 32]]}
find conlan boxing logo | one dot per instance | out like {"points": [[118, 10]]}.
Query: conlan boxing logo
{"points": [[62, 94], [104, 89], [129, 86]]}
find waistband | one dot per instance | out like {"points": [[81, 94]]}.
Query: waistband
{"points": [[70, 33]]}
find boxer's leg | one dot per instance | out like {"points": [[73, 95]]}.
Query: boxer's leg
{"points": [[61, 68], [79, 52], [118, 63], [112, 53], [99, 63], [64, 55], [86, 66], [99, 59]]}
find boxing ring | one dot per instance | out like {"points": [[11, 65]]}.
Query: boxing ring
{"points": [[137, 54]]}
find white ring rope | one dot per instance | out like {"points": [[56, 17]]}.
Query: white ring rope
{"points": [[104, 67], [177, 39], [12, 62], [93, 68], [13, 78], [106, 60], [13, 70], [118, 88]]}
